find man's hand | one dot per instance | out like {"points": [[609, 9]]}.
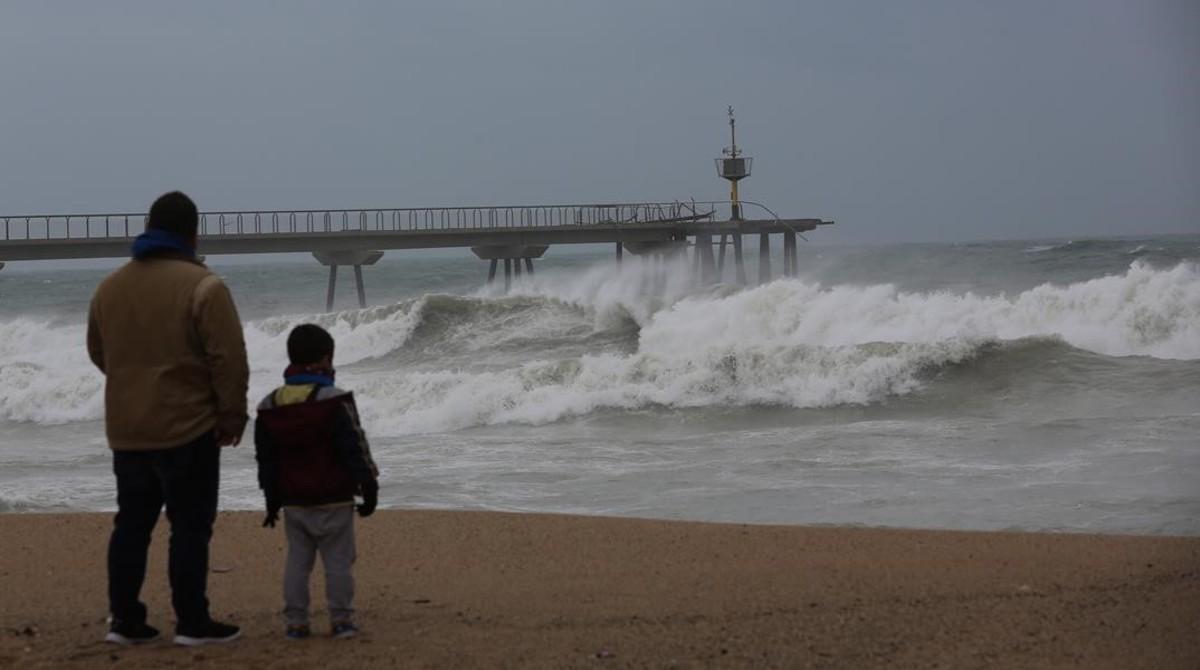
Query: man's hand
{"points": [[229, 431], [370, 494]]}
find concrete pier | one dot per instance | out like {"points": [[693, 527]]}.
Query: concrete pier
{"points": [[704, 252], [658, 249], [513, 255], [721, 257], [764, 258], [354, 236], [357, 259], [738, 261], [789, 254]]}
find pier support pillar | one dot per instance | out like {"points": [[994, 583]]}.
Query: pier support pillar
{"points": [[358, 284], [738, 261], [332, 286], [510, 254], [620, 253], [704, 256], [355, 258], [721, 258], [789, 254], [764, 258]]}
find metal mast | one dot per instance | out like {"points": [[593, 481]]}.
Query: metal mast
{"points": [[734, 168]]}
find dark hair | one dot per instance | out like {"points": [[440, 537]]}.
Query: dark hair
{"points": [[174, 212], [309, 343]]}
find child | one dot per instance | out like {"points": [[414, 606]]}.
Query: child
{"points": [[312, 459]]}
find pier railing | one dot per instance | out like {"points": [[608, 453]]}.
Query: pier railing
{"points": [[301, 221]]}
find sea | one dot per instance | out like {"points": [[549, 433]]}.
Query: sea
{"points": [[1046, 385]]}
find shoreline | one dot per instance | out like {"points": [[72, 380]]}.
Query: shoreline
{"points": [[500, 589], [1008, 530]]}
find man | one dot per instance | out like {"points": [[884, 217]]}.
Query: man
{"points": [[164, 331]]}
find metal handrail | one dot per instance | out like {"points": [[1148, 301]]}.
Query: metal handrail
{"points": [[387, 219]]}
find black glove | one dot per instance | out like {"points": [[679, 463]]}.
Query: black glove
{"points": [[272, 514], [370, 496]]}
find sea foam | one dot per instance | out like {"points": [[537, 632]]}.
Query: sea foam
{"points": [[789, 343]]}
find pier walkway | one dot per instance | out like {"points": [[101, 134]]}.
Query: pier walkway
{"points": [[357, 237]]}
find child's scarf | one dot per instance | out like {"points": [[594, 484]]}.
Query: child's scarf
{"points": [[312, 373]]}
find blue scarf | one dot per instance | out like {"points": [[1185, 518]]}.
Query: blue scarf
{"points": [[308, 374], [155, 240]]}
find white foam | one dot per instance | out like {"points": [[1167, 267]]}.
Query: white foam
{"points": [[1039, 248], [45, 374], [1145, 312], [638, 291], [47, 378], [797, 344], [789, 342]]}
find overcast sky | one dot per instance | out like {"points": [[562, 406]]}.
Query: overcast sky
{"points": [[902, 121]]}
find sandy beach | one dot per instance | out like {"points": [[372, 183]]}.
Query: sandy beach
{"points": [[475, 589]]}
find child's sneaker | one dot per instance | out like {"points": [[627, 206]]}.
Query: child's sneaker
{"points": [[298, 631], [344, 629], [127, 634]]}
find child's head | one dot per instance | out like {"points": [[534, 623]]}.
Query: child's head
{"points": [[309, 343]]}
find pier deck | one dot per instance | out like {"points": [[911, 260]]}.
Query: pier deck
{"points": [[358, 237], [47, 237]]}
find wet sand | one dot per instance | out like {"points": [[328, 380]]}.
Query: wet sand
{"points": [[493, 590]]}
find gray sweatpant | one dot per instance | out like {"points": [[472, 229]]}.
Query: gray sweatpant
{"points": [[329, 530]]}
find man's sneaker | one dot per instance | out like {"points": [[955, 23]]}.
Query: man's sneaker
{"points": [[344, 629], [298, 631], [124, 633], [209, 633]]}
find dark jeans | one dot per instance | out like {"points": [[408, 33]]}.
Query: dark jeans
{"points": [[185, 479]]}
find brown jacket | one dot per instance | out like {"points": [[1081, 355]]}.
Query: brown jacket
{"points": [[166, 334]]}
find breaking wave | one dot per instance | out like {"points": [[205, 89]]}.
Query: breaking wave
{"points": [[568, 347]]}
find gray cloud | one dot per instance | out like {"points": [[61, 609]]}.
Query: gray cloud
{"points": [[915, 121]]}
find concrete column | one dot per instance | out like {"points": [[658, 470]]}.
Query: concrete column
{"points": [[356, 258], [620, 253], [721, 258], [510, 254], [764, 258], [358, 283], [704, 249], [738, 261], [332, 285], [789, 254]]}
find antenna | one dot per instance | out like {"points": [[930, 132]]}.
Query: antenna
{"points": [[732, 151], [733, 168]]}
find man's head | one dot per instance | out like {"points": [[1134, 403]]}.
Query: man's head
{"points": [[309, 343], [175, 213]]}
